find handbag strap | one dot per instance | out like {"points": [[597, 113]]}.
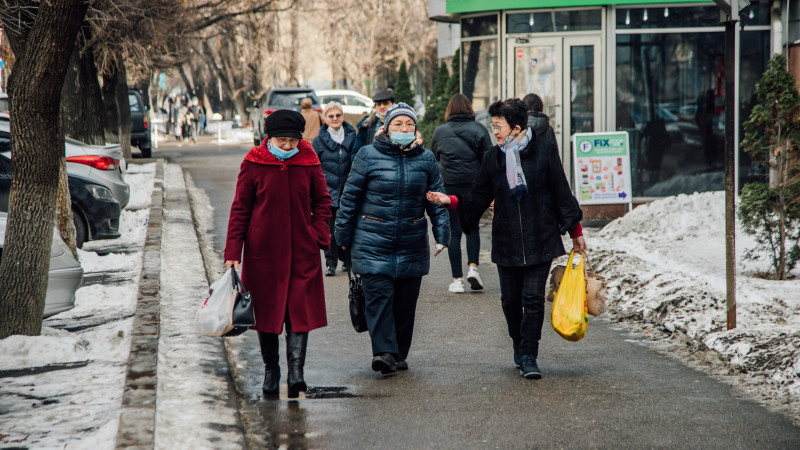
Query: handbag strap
{"points": [[237, 282]]}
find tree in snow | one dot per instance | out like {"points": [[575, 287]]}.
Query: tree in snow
{"points": [[771, 212]]}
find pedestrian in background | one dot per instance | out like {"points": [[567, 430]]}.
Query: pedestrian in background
{"points": [[368, 126], [278, 225], [459, 146], [537, 120], [381, 220], [533, 207], [333, 146], [196, 114], [313, 120]]}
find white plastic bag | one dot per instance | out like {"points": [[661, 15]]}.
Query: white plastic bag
{"points": [[214, 315]]}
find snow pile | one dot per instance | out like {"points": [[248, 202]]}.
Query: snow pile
{"points": [[64, 388], [665, 265]]}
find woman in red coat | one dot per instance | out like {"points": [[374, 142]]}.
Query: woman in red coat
{"points": [[280, 218]]}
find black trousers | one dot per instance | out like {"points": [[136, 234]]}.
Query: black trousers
{"points": [[391, 304], [522, 295], [473, 239], [333, 254]]}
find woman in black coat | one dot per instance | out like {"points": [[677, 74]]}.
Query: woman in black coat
{"points": [[459, 146], [533, 207], [334, 145], [381, 219]]}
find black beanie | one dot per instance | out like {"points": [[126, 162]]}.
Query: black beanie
{"points": [[285, 123]]}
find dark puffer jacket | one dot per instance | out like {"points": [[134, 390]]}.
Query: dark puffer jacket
{"points": [[541, 126], [528, 231], [381, 214], [459, 146], [367, 127], [335, 159]]}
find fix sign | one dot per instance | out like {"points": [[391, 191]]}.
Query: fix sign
{"points": [[602, 168]]}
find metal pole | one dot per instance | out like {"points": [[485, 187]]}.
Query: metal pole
{"points": [[731, 26]]}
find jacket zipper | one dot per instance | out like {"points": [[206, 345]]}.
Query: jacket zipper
{"points": [[521, 233], [402, 196]]}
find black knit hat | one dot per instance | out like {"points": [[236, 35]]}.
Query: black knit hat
{"points": [[285, 123], [383, 95]]}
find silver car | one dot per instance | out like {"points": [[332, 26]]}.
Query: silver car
{"points": [[64, 277], [103, 164]]}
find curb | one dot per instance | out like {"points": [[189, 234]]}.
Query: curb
{"points": [[138, 411]]}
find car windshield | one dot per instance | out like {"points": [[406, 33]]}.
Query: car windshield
{"points": [[357, 101], [135, 106], [290, 99]]}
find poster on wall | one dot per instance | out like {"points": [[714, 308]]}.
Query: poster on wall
{"points": [[602, 168]]}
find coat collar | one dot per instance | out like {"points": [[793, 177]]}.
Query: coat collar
{"points": [[330, 144], [305, 157], [461, 118], [383, 144]]}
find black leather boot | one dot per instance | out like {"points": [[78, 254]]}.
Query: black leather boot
{"points": [[296, 357], [272, 368]]}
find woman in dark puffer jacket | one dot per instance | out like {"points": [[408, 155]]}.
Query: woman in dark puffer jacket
{"points": [[459, 146], [381, 219], [333, 146]]}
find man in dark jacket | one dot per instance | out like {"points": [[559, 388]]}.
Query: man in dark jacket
{"points": [[369, 125], [537, 119], [533, 207]]}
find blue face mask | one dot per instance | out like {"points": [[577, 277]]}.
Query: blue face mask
{"points": [[282, 154], [403, 138]]}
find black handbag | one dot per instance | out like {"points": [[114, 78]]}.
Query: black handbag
{"points": [[242, 317], [357, 301]]}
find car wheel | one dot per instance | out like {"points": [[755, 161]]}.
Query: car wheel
{"points": [[146, 152], [80, 229]]}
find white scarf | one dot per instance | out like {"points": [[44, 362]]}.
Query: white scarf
{"points": [[517, 185], [337, 136]]}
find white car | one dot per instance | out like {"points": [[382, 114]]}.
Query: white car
{"points": [[353, 103]]}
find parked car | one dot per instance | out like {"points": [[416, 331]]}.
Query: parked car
{"points": [[64, 276], [95, 211], [275, 99], [354, 105], [103, 164], [140, 123]]}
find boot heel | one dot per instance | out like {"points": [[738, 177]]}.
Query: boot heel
{"points": [[296, 388]]}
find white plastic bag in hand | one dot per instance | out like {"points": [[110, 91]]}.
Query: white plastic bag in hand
{"points": [[214, 315]]}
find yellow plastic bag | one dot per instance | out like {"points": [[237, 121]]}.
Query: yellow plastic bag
{"points": [[569, 314]]}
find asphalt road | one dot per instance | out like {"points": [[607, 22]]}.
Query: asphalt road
{"points": [[462, 389]]}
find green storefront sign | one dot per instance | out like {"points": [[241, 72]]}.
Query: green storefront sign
{"points": [[473, 6], [602, 168]]}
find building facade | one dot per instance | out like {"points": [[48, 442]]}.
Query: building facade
{"points": [[655, 69]]}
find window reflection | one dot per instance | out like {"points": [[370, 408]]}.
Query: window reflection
{"points": [[671, 99]]}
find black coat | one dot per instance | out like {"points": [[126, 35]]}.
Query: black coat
{"points": [[459, 146], [335, 159], [381, 215], [541, 126], [525, 232], [367, 127]]}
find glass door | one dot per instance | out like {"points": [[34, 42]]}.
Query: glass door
{"points": [[566, 73]]}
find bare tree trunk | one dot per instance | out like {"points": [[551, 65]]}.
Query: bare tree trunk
{"points": [[186, 80], [82, 100], [124, 108], [293, 50], [64, 222], [43, 55], [111, 106]]}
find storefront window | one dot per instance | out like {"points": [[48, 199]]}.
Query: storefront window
{"points": [[671, 99], [698, 16], [480, 81], [554, 21], [479, 26]]}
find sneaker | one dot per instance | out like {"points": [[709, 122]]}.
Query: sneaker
{"points": [[529, 369], [345, 268], [474, 279], [331, 271], [384, 363], [457, 287]]}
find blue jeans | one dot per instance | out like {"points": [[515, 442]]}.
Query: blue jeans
{"points": [[473, 239]]}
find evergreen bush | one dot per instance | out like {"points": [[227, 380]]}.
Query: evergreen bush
{"points": [[402, 91]]}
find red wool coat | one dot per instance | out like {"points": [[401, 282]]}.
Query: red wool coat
{"points": [[279, 217]]}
